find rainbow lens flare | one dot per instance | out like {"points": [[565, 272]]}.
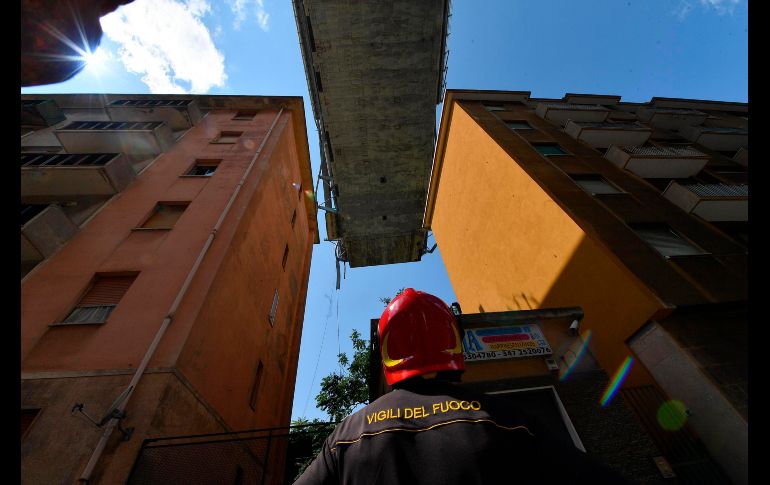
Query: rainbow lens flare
{"points": [[617, 380], [672, 415], [571, 366]]}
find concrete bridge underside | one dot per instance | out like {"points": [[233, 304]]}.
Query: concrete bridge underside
{"points": [[375, 73]]}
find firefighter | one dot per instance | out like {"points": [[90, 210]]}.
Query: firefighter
{"points": [[431, 431]]}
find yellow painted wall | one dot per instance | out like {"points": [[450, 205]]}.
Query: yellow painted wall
{"points": [[507, 245]]}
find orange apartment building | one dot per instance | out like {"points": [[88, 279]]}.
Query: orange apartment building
{"points": [[165, 253], [635, 212]]}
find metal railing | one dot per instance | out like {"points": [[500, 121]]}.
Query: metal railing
{"points": [[719, 190], [112, 125], [153, 103], [66, 159], [652, 151], [264, 456]]}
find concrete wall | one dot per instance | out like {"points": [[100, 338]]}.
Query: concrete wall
{"points": [[719, 424]]}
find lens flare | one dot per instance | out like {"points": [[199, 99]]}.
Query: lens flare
{"points": [[672, 415], [571, 366], [310, 194], [617, 380]]}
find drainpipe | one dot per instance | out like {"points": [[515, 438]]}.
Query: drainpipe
{"points": [[120, 407]]}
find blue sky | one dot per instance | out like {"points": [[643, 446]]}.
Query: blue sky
{"points": [[633, 48]]}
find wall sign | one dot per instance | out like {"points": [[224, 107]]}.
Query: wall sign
{"points": [[504, 343]]}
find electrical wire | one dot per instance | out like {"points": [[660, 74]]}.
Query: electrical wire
{"points": [[320, 348]]}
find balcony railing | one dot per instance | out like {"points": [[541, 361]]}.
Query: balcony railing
{"points": [[718, 190], [151, 103], [651, 151], [712, 202], [602, 135], [717, 138], [658, 162], [140, 138], [112, 125], [563, 112], [66, 159], [179, 114]]}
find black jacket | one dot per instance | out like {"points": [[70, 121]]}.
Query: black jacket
{"points": [[432, 432]]}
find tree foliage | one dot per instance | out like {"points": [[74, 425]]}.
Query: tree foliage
{"points": [[386, 299], [305, 441], [342, 391]]}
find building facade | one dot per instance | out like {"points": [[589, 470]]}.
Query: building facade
{"points": [[635, 212], [166, 247]]}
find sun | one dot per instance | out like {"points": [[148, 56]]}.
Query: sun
{"points": [[95, 60]]}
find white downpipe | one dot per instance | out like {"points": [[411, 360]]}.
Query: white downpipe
{"points": [[86, 475]]}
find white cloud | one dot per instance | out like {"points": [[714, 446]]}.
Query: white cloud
{"points": [[166, 42], [721, 7], [240, 10]]}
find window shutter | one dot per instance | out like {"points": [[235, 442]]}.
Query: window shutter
{"points": [[107, 291], [97, 304]]}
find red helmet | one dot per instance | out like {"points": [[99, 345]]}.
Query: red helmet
{"points": [[418, 335]]}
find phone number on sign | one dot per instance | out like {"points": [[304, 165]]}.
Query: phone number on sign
{"points": [[503, 354]]}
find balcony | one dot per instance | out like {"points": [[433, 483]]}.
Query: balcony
{"points": [[671, 119], [602, 135], [658, 162], [40, 113], [179, 114], [712, 202], [147, 138], [44, 229], [47, 176], [717, 138], [563, 112]]}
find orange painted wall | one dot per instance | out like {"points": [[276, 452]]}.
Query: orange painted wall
{"points": [[508, 246], [229, 299]]}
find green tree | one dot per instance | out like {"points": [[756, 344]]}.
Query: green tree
{"points": [[386, 299], [305, 441], [342, 391]]}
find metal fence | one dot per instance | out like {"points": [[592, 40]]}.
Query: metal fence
{"points": [[265, 456]]}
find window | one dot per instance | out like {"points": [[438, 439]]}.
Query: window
{"points": [[165, 215], [665, 240], [548, 149], [285, 257], [245, 114], [518, 125], [228, 137], [595, 184], [101, 298], [255, 387], [203, 168], [273, 309]]}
